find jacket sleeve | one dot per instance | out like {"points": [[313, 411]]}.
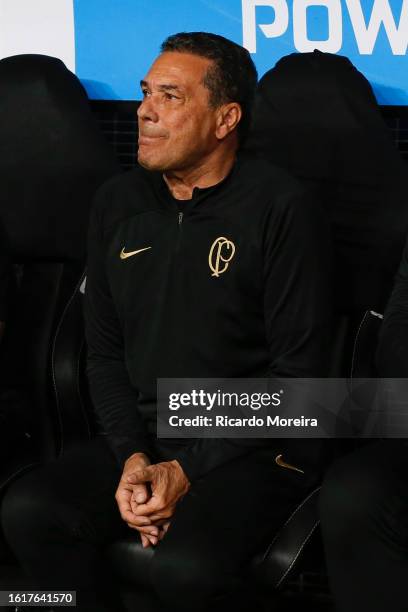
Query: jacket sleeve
{"points": [[114, 399], [297, 298], [392, 353]]}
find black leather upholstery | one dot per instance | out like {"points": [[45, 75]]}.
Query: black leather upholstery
{"points": [[52, 159], [43, 292], [130, 560], [274, 565], [365, 345], [73, 407], [316, 115], [268, 569]]}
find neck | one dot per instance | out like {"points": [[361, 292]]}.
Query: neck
{"points": [[208, 173]]}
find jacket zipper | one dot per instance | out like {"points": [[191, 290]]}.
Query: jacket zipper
{"points": [[180, 223]]}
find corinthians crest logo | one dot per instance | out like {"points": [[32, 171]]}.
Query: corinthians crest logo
{"points": [[221, 252]]}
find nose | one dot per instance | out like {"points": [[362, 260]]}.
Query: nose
{"points": [[147, 111]]}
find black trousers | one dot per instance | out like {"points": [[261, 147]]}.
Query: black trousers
{"points": [[364, 514], [59, 518]]}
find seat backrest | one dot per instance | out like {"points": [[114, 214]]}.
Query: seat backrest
{"points": [[316, 116], [43, 293], [52, 159], [353, 357], [365, 346], [74, 410]]}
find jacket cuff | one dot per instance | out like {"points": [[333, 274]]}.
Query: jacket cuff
{"points": [[123, 448], [188, 464]]}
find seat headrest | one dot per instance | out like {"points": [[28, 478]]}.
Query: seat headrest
{"points": [[52, 158], [317, 115]]}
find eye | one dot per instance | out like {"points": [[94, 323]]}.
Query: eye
{"points": [[145, 92], [170, 96]]}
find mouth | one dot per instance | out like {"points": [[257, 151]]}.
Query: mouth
{"points": [[149, 140]]}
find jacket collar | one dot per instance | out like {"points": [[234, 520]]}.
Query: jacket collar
{"points": [[199, 194]]}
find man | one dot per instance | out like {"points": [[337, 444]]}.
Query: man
{"points": [[160, 304], [364, 500]]}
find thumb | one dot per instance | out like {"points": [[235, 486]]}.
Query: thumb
{"points": [[140, 493], [140, 476]]}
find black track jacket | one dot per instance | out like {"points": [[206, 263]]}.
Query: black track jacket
{"points": [[159, 305]]}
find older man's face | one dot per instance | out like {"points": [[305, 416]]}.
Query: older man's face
{"points": [[176, 123]]}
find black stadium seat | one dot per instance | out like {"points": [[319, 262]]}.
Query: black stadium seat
{"points": [[316, 116], [52, 159]]}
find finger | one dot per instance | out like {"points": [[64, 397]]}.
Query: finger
{"points": [[124, 487], [125, 511], [140, 476], [147, 531], [155, 505], [160, 522], [166, 526], [140, 494], [133, 527], [162, 515], [164, 529], [145, 541], [159, 517], [123, 497], [161, 534], [150, 538], [124, 506], [153, 539], [130, 517], [133, 505], [123, 500]]}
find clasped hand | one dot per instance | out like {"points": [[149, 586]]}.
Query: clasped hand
{"points": [[147, 496]]}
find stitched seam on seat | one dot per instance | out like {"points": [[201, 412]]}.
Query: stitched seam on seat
{"points": [[14, 474], [77, 286], [299, 552], [288, 520], [355, 348]]}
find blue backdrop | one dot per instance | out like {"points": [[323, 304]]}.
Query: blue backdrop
{"points": [[117, 40]]}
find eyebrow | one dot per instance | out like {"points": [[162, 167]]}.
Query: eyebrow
{"points": [[163, 87]]}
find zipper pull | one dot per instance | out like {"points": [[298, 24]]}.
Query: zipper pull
{"points": [[180, 218]]}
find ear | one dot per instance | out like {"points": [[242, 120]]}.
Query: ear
{"points": [[228, 117]]}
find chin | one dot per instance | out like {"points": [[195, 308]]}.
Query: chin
{"points": [[151, 164]]}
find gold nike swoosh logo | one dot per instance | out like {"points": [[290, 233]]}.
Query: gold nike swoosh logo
{"points": [[124, 255], [279, 461]]}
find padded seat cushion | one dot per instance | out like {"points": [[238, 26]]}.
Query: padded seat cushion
{"points": [[269, 568]]}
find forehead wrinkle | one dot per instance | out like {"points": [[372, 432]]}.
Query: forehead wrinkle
{"points": [[168, 87], [162, 86]]}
